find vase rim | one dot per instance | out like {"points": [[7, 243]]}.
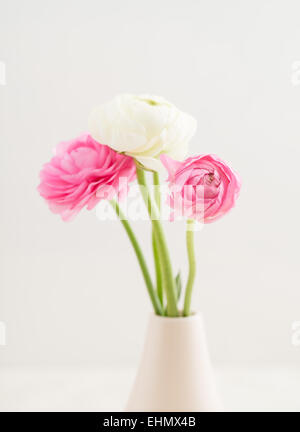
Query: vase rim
{"points": [[194, 316]]}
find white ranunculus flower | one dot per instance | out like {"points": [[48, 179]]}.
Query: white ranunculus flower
{"points": [[143, 127]]}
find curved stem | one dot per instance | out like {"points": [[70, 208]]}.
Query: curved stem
{"points": [[139, 254], [161, 242], [159, 284], [192, 266]]}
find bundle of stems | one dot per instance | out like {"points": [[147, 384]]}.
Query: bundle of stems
{"points": [[164, 294]]}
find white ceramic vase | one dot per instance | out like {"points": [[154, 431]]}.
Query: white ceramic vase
{"points": [[175, 372]]}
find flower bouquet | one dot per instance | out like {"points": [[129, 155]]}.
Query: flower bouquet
{"points": [[127, 137]]}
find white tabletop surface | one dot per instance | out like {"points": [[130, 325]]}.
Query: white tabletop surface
{"points": [[106, 389]]}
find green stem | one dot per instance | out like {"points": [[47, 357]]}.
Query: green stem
{"points": [[139, 254], [166, 267], [159, 284], [156, 189], [192, 266]]}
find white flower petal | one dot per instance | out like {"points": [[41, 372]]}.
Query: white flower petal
{"points": [[143, 126], [150, 163]]}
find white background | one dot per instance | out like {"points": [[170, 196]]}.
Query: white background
{"points": [[72, 293]]}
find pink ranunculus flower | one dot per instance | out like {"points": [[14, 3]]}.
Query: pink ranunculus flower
{"points": [[201, 187], [83, 172]]}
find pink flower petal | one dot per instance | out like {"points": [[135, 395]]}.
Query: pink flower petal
{"points": [[79, 171]]}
